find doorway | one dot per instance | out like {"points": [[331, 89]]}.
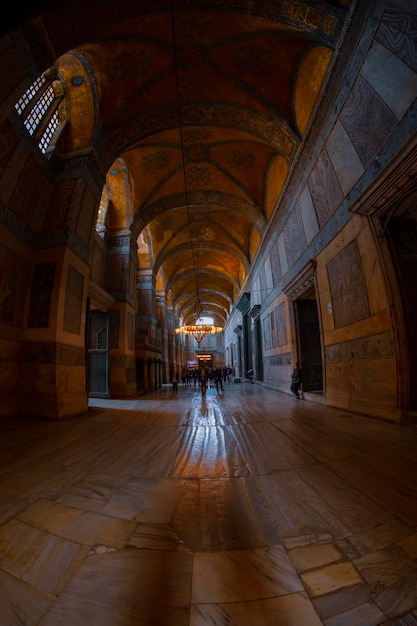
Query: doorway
{"points": [[309, 343], [402, 239], [98, 383]]}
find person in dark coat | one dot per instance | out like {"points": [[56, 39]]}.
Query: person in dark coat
{"points": [[175, 381], [296, 381]]}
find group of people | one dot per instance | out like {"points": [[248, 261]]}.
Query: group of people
{"points": [[202, 377]]}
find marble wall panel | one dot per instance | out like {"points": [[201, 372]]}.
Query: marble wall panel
{"points": [[24, 197], [367, 121], [41, 294], [347, 287], [12, 71], [397, 31], [308, 215], [116, 273], [281, 325], [324, 188], [10, 280], [378, 346], [97, 263], [396, 85], [114, 318], [275, 264], [266, 328], [268, 274], [262, 283], [73, 301], [58, 207], [282, 254], [8, 142], [130, 331], [294, 236], [87, 216], [345, 159]]}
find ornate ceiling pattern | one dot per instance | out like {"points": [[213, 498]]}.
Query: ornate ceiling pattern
{"points": [[196, 112]]}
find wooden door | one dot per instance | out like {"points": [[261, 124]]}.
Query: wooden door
{"points": [[98, 354], [309, 344], [402, 238]]}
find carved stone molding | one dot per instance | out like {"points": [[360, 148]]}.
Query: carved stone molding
{"points": [[100, 298], [302, 282], [255, 311], [389, 189]]}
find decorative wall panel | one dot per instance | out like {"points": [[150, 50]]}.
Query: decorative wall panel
{"points": [[367, 121], [73, 301], [347, 287], [41, 295], [325, 189], [10, 272], [275, 265], [281, 325], [294, 237]]}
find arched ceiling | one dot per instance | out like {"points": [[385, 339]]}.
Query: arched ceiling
{"points": [[196, 110]]}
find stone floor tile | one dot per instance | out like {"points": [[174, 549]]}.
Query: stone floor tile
{"points": [[293, 609], [329, 578], [20, 603], [381, 536], [341, 600], [400, 597], [241, 575], [311, 557], [364, 615], [126, 588], [383, 567], [409, 545]]}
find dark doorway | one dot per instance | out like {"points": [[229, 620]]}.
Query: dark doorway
{"points": [[259, 351], [309, 344], [402, 239], [98, 354]]}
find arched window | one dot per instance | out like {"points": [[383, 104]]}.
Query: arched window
{"points": [[39, 109]]}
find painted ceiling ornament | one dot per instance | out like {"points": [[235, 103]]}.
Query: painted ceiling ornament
{"points": [[77, 81], [202, 233], [197, 153], [192, 56]]}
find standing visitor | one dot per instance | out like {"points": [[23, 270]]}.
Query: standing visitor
{"points": [[175, 380], [296, 381], [203, 381]]}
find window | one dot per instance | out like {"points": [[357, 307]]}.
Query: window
{"points": [[38, 107]]}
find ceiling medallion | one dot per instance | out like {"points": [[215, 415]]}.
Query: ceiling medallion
{"points": [[77, 81], [196, 153], [192, 56]]}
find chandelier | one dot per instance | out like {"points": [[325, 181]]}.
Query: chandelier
{"points": [[198, 331]]}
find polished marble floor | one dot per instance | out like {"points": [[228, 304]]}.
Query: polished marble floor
{"points": [[245, 507]]}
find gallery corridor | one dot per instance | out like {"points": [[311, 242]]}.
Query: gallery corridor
{"points": [[243, 508]]}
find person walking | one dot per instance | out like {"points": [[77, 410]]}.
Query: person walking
{"points": [[203, 380], [296, 381], [175, 380]]}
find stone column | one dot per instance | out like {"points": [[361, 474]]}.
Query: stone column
{"points": [[148, 337], [120, 277]]}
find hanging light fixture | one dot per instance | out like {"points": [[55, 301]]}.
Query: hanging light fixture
{"points": [[198, 329]]}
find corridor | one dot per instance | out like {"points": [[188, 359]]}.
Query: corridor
{"points": [[243, 508]]}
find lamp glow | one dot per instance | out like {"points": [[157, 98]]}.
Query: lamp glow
{"points": [[198, 331]]}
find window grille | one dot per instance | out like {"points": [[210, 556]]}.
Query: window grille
{"points": [[47, 135], [39, 109], [30, 94]]}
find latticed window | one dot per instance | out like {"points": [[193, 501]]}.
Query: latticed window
{"points": [[39, 109]]}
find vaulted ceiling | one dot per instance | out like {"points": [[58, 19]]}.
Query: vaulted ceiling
{"points": [[196, 111]]}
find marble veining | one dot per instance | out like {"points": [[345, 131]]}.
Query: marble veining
{"points": [[243, 508]]}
